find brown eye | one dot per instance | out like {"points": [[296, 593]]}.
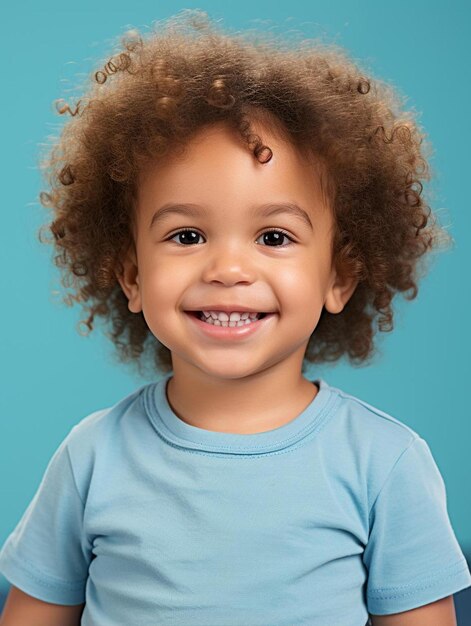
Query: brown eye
{"points": [[275, 236], [184, 239]]}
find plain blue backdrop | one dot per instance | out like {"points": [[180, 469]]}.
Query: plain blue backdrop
{"points": [[52, 377]]}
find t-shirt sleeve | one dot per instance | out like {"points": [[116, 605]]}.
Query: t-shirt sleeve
{"points": [[412, 556], [47, 555]]}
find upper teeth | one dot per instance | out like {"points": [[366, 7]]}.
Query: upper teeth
{"points": [[230, 317]]}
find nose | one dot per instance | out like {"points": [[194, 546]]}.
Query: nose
{"points": [[228, 265]]}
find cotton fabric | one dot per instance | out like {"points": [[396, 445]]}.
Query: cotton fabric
{"points": [[339, 513]]}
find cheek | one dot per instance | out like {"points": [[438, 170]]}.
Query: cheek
{"points": [[160, 297], [298, 286], [301, 298], [161, 280]]}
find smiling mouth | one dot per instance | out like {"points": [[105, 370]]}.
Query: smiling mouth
{"points": [[199, 314], [237, 328]]}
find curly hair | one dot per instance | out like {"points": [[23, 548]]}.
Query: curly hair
{"points": [[156, 92]]}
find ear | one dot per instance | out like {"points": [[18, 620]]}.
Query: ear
{"points": [[129, 281], [340, 292]]}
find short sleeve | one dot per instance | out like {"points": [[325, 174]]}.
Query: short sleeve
{"points": [[47, 555], [412, 556]]}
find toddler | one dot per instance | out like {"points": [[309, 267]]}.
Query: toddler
{"points": [[233, 490]]}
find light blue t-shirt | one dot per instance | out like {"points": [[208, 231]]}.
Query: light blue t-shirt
{"points": [[151, 521]]}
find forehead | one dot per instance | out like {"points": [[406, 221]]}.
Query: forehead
{"points": [[218, 168]]}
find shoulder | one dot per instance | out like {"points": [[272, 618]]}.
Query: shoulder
{"points": [[370, 439], [371, 422], [104, 420], [96, 439]]}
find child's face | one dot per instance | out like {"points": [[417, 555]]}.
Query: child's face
{"points": [[228, 258]]}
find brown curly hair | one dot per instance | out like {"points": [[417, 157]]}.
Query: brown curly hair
{"points": [[157, 91]]}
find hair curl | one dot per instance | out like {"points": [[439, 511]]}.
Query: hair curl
{"points": [[155, 93]]}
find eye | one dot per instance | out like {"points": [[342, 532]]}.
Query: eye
{"points": [[279, 237], [184, 239]]}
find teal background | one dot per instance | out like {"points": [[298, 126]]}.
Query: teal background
{"points": [[52, 377]]}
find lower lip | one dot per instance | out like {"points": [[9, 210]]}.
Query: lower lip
{"points": [[230, 332]]}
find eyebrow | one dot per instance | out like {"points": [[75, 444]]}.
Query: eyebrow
{"points": [[265, 210]]}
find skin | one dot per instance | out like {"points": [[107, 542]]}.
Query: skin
{"points": [[21, 609], [254, 384]]}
